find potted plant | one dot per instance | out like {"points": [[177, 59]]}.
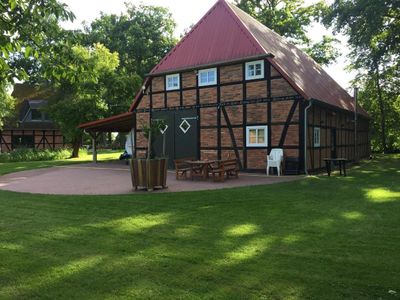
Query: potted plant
{"points": [[150, 172]]}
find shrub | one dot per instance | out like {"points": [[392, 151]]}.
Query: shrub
{"points": [[26, 154]]}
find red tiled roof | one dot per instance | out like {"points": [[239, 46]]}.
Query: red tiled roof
{"points": [[226, 33], [219, 36]]}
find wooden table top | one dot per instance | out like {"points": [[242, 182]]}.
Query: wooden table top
{"points": [[200, 162], [336, 159]]}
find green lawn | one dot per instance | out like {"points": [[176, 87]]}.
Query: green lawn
{"points": [[103, 155], [319, 238]]}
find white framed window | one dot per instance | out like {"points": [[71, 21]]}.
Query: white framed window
{"points": [[257, 136], [255, 70], [207, 77], [172, 82], [317, 137]]}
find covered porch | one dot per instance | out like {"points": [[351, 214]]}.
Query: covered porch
{"points": [[122, 123]]}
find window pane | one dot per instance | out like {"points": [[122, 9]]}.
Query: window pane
{"points": [[203, 77], [36, 115], [261, 136], [211, 76], [258, 69], [253, 136], [250, 70]]}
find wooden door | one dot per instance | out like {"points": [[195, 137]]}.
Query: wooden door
{"points": [[186, 133], [180, 134]]}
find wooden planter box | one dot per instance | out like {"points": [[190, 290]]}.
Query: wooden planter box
{"points": [[149, 173]]}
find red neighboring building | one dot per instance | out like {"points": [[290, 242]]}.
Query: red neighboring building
{"points": [[234, 88]]}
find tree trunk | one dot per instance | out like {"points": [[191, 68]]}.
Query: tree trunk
{"points": [[76, 144], [381, 108], [109, 139]]}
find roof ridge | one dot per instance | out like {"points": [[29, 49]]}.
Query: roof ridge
{"points": [[226, 6], [239, 22], [270, 59], [287, 42], [186, 36]]}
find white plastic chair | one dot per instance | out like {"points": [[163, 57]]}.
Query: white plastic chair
{"points": [[129, 144], [275, 160]]}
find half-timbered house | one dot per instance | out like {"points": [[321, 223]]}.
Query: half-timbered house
{"points": [[31, 126], [234, 88]]}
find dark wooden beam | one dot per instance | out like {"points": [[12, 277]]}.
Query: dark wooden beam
{"points": [[234, 144], [219, 155], [267, 69], [244, 108], [288, 120]]}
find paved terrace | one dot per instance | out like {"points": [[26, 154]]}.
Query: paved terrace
{"points": [[113, 178]]}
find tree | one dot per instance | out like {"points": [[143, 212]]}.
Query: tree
{"points": [[324, 52], [290, 19], [79, 80], [25, 29], [141, 37], [390, 95], [373, 31], [7, 104]]}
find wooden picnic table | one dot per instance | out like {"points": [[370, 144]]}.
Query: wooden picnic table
{"points": [[341, 162], [199, 168]]}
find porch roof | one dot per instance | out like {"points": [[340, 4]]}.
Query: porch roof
{"points": [[119, 123]]}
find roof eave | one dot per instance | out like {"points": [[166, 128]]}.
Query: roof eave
{"points": [[359, 113], [204, 66]]}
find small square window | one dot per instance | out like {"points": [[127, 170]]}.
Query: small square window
{"points": [[317, 137], [255, 70], [208, 77], [172, 82], [256, 136]]}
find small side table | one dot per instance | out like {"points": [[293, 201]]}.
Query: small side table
{"points": [[341, 162]]}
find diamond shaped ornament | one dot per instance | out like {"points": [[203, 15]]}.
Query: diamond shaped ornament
{"points": [[163, 130], [184, 126]]}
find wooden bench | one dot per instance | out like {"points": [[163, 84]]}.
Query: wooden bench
{"points": [[182, 167], [230, 167]]}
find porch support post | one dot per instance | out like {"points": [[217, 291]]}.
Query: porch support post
{"points": [[94, 146], [94, 136]]}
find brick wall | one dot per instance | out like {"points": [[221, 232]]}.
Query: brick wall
{"points": [[231, 73], [256, 158], [189, 97], [232, 93], [280, 87], [256, 89], [208, 138], [144, 102], [158, 100], [208, 95], [158, 84], [189, 79], [208, 116], [280, 111], [235, 115], [173, 99], [256, 113]]}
